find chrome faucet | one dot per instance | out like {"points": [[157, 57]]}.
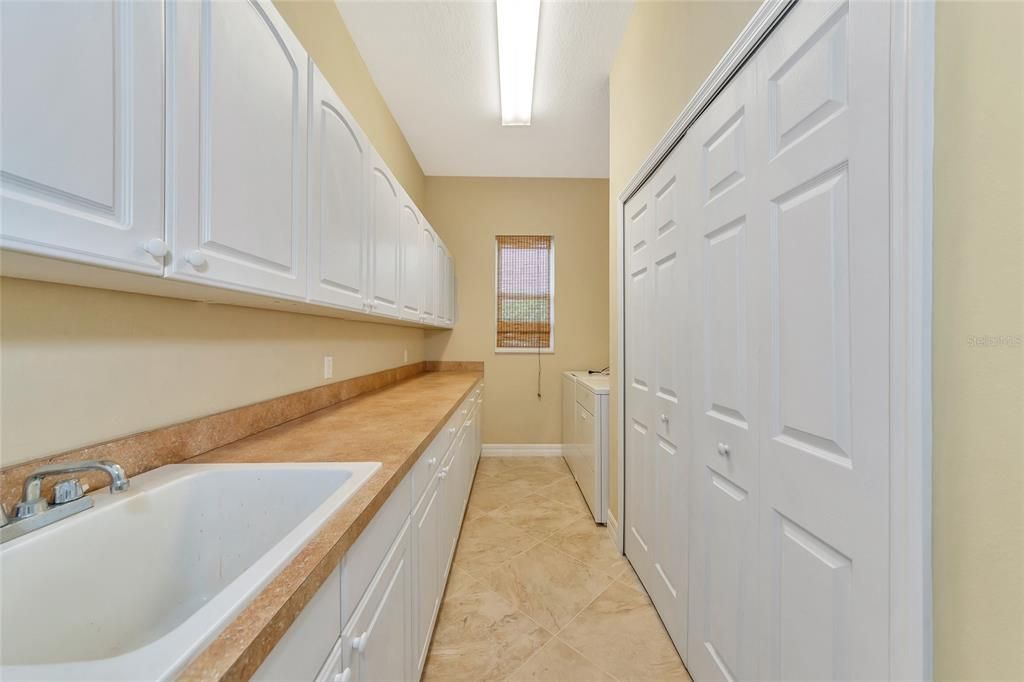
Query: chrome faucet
{"points": [[34, 512]]}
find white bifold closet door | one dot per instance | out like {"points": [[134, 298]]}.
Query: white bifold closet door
{"points": [[757, 362], [724, 267], [657, 406], [791, 531]]}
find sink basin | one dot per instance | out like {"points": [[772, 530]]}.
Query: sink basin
{"points": [[136, 586]]}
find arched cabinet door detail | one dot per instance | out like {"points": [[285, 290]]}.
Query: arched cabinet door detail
{"points": [[384, 192], [237, 136], [411, 224], [338, 167]]}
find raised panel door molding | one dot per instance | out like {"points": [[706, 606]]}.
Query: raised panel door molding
{"points": [[385, 204], [237, 137], [338, 170], [83, 182], [411, 293], [427, 247]]}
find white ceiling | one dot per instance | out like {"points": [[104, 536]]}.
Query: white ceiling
{"points": [[436, 64]]}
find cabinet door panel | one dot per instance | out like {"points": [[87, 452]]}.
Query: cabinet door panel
{"points": [[439, 280], [411, 292], [338, 166], [83, 182], [428, 568], [237, 131], [384, 191], [379, 635], [427, 261]]}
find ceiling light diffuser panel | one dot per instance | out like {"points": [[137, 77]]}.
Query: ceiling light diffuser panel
{"points": [[518, 24]]}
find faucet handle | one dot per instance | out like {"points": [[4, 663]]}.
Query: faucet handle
{"points": [[68, 491]]}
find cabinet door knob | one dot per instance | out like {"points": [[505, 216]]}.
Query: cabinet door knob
{"points": [[723, 449], [664, 418], [359, 643], [344, 676], [451, 429], [432, 461], [443, 473], [156, 248], [196, 259]]}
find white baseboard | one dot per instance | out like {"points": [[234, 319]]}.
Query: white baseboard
{"points": [[613, 529], [521, 450]]}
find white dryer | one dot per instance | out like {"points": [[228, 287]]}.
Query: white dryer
{"points": [[585, 436]]}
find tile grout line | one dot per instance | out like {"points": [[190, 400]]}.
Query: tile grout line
{"points": [[543, 540]]}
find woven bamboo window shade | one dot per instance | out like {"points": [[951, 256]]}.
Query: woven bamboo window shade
{"points": [[524, 291]]}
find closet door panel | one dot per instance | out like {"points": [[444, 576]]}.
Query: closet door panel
{"points": [[640, 534], [722, 628], [670, 446], [824, 313]]}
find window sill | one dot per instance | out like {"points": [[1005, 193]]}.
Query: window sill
{"points": [[524, 351]]}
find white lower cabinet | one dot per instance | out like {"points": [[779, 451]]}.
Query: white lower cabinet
{"points": [[300, 653], [428, 566], [379, 634], [373, 619]]}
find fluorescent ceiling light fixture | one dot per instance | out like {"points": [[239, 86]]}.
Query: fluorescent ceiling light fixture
{"points": [[518, 23]]}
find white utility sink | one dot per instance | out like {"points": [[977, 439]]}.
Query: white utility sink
{"points": [[136, 586]]}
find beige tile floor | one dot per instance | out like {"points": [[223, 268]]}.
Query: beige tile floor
{"points": [[538, 591]]}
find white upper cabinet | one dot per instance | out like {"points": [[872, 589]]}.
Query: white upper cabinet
{"points": [[82, 155], [428, 247], [338, 169], [411, 281], [236, 129], [450, 290], [385, 204], [441, 283], [202, 143]]}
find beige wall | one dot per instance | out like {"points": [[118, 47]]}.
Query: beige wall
{"points": [[468, 213], [80, 366], [85, 365], [979, 391], [318, 24], [668, 50], [978, 397]]}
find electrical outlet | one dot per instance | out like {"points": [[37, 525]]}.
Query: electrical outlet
{"points": [[405, 355], [328, 366]]}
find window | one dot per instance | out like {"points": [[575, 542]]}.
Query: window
{"points": [[524, 288]]}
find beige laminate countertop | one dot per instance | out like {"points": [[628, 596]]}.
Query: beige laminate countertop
{"points": [[392, 426]]}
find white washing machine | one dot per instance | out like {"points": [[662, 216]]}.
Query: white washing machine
{"points": [[585, 436]]}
